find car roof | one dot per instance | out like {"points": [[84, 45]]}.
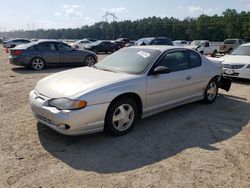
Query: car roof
{"points": [[161, 48]]}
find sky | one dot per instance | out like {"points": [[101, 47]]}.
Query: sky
{"points": [[47, 14]]}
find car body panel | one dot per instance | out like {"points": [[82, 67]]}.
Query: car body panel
{"points": [[99, 88]]}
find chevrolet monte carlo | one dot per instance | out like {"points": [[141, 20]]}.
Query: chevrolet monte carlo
{"points": [[130, 84]]}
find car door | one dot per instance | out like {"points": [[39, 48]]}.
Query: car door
{"points": [[48, 52], [68, 55], [171, 88]]}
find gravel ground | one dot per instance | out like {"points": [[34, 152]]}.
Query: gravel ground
{"points": [[194, 145]]}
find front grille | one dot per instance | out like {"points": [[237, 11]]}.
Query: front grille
{"points": [[229, 66], [45, 119]]}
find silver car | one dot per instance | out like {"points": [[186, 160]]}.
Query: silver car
{"points": [[133, 83]]}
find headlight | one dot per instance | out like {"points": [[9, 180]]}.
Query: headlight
{"points": [[67, 104]]}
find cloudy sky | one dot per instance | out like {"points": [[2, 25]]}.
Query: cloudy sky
{"points": [[29, 14]]}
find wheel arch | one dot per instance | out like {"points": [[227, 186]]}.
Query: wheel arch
{"points": [[130, 95]]}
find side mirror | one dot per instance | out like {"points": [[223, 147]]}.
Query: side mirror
{"points": [[160, 70]]}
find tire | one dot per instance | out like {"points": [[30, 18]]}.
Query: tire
{"points": [[229, 50], [121, 117], [37, 63], [12, 46], [89, 61], [211, 91], [214, 53]]}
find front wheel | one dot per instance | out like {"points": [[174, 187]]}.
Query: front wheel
{"points": [[121, 117], [89, 61], [211, 91], [37, 64]]}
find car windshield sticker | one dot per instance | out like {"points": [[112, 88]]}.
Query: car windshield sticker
{"points": [[143, 54]]}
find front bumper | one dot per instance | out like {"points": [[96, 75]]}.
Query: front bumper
{"points": [[237, 73], [84, 121]]}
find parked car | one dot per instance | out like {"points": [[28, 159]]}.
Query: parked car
{"points": [[14, 42], [229, 45], [102, 46], [237, 64], [80, 44], [121, 42], [180, 43], [41, 54], [204, 47], [133, 83], [154, 41]]}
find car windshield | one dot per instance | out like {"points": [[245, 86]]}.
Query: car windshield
{"points": [[197, 43], [242, 50], [129, 60], [144, 40], [230, 42], [95, 43]]}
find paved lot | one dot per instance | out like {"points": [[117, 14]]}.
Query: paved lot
{"points": [[194, 145]]}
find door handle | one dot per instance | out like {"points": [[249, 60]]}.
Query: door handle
{"points": [[189, 77]]}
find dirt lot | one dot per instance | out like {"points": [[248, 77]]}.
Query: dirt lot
{"points": [[194, 145]]}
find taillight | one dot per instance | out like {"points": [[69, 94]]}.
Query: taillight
{"points": [[17, 52]]}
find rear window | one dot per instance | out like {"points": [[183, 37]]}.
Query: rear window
{"points": [[230, 41]]}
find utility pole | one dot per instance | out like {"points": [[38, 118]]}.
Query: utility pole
{"points": [[107, 14]]}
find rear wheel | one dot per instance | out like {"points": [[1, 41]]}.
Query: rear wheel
{"points": [[89, 61], [211, 91], [121, 116], [229, 50], [37, 63], [214, 53]]}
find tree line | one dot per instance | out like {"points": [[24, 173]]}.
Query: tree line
{"points": [[230, 24]]}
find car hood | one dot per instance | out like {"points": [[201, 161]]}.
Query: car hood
{"points": [[236, 59], [76, 82]]}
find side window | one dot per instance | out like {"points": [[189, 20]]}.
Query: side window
{"points": [[194, 60], [63, 47], [175, 61], [46, 46]]}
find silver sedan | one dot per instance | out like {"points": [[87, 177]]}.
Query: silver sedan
{"points": [[133, 83]]}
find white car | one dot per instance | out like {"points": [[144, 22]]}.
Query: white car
{"points": [[237, 64], [180, 43], [14, 42], [132, 83], [81, 44], [204, 47]]}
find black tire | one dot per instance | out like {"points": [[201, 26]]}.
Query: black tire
{"points": [[12, 46], [214, 53], [112, 126], [89, 61], [229, 50], [37, 63], [213, 85]]}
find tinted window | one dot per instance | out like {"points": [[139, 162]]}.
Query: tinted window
{"points": [[46, 46], [230, 41], [162, 42], [63, 47], [175, 61], [194, 59]]}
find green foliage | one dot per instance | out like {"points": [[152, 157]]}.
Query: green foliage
{"points": [[215, 28]]}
